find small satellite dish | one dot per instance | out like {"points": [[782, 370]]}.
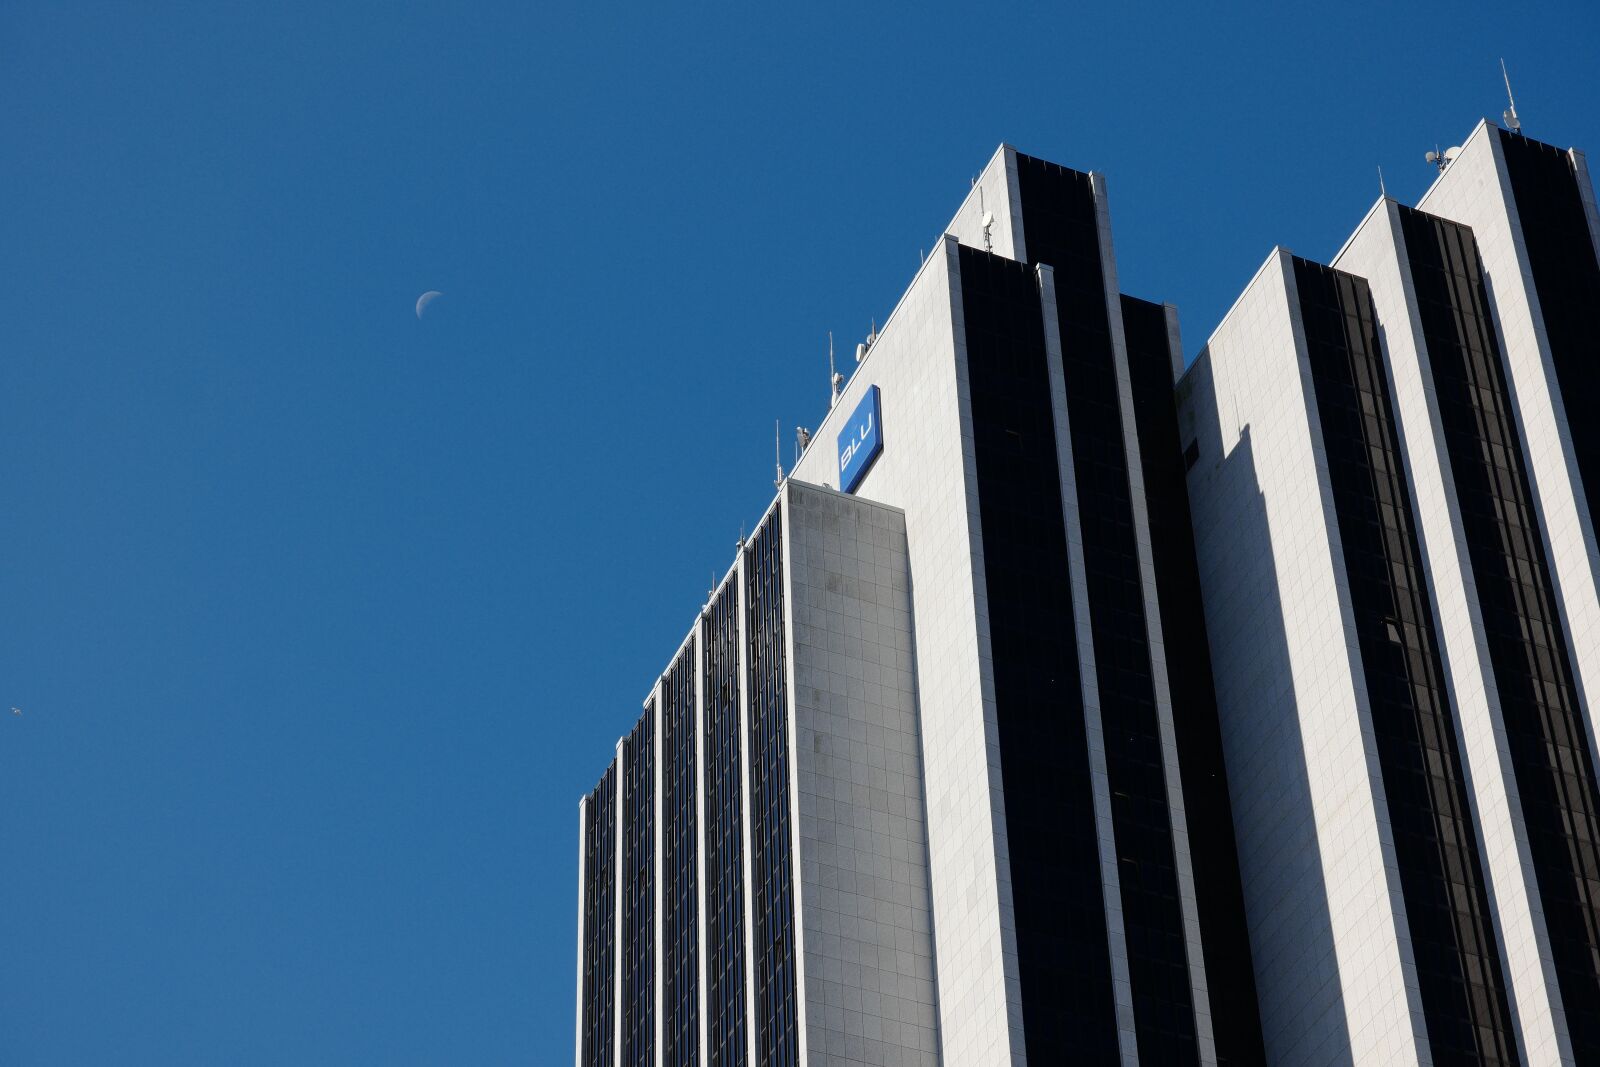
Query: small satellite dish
{"points": [[988, 219], [1433, 157], [1450, 154]]}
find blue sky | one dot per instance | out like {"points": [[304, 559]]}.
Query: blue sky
{"points": [[322, 617]]}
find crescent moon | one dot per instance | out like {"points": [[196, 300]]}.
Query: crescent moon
{"points": [[425, 299]]}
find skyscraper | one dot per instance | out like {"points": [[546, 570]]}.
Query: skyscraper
{"points": [[792, 885], [1042, 854], [1069, 706], [1399, 571]]}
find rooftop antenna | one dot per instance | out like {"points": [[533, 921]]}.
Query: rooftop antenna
{"points": [[802, 438], [1382, 190], [1513, 123], [865, 346], [777, 453], [988, 222], [1443, 159], [835, 379]]}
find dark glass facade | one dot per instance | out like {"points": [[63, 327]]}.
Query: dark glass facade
{"points": [[771, 857], [1561, 253], [1435, 841], [1219, 896], [1527, 648], [680, 902], [638, 893], [1064, 962], [1061, 228], [725, 996], [599, 921]]}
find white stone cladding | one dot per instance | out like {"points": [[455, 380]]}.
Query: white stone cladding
{"points": [[1377, 252], [927, 469], [1322, 897], [995, 192], [866, 921], [1476, 191]]}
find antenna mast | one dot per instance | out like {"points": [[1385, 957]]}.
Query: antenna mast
{"points": [[1512, 122], [777, 453]]}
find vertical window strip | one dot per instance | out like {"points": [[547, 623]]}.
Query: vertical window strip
{"points": [[1063, 222], [599, 905], [638, 905], [1533, 674], [1566, 276], [1230, 977], [724, 832], [681, 1029], [772, 910], [1435, 840], [1064, 964]]}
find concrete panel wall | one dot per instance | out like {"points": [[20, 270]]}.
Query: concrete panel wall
{"points": [[927, 470], [1320, 882], [1377, 252], [863, 862]]}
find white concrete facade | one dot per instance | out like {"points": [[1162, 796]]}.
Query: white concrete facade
{"points": [[927, 469], [969, 1008], [1322, 896], [1377, 252], [997, 193], [866, 920], [1476, 191]]}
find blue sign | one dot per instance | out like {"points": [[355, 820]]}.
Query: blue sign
{"points": [[860, 441]]}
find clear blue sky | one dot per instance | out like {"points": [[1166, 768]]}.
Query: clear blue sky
{"points": [[322, 617]]}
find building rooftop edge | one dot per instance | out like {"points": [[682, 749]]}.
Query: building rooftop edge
{"points": [[1271, 257], [1365, 219]]}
